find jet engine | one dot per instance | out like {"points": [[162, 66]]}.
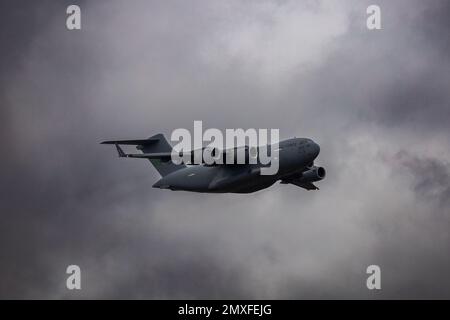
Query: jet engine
{"points": [[312, 175]]}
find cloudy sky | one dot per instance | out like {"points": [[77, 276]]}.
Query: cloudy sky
{"points": [[378, 103]]}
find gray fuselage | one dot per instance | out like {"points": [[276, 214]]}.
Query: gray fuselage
{"points": [[295, 155]]}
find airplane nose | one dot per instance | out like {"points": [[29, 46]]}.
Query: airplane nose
{"points": [[315, 148]]}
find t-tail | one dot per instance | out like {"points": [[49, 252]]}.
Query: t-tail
{"points": [[156, 149]]}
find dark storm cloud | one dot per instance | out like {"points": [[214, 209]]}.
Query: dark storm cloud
{"points": [[431, 177], [137, 68], [417, 92]]}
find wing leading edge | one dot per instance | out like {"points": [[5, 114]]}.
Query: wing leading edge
{"points": [[304, 185]]}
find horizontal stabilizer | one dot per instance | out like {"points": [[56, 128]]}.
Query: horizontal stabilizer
{"points": [[157, 155], [165, 156], [142, 142], [156, 149]]}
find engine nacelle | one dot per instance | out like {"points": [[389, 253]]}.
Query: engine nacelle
{"points": [[313, 174]]}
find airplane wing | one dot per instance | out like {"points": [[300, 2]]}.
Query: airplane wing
{"points": [[295, 180], [222, 153], [304, 185]]}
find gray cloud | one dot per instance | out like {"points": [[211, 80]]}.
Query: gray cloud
{"points": [[308, 68], [431, 177]]}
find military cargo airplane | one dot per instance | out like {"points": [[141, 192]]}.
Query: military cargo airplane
{"points": [[296, 166]]}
